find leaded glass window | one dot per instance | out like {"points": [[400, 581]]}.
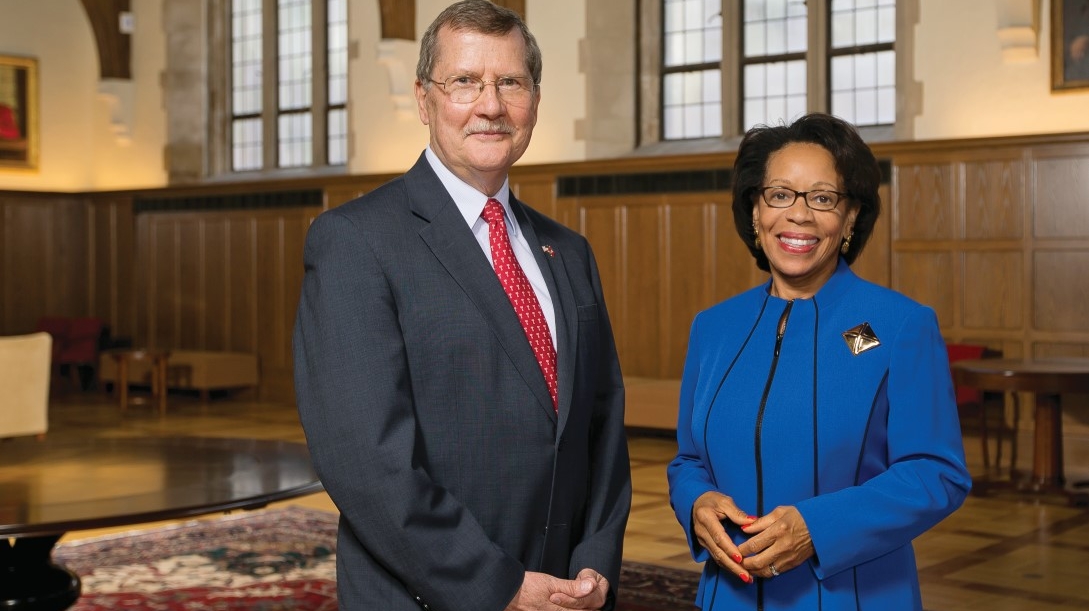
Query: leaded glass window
{"points": [[691, 71], [288, 84], [777, 60], [863, 62]]}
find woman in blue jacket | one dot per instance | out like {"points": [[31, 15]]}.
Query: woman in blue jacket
{"points": [[818, 433]]}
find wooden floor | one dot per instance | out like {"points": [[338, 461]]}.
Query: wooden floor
{"points": [[997, 554]]}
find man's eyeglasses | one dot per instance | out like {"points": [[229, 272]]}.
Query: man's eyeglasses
{"points": [[464, 89], [782, 197]]}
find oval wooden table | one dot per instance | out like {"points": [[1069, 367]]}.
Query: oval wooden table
{"points": [[48, 488], [1047, 380]]}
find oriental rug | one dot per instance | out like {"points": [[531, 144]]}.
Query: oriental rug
{"points": [[269, 560], [646, 587]]}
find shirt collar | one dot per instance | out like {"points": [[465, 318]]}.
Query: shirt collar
{"points": [[469, 201]]}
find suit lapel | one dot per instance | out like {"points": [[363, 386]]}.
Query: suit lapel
{"points": [[563, 303], [453, 244]]}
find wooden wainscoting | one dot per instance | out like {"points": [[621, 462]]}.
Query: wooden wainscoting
{"points": [[995, 239], [44, 265], [224, 281], [991, 233]]}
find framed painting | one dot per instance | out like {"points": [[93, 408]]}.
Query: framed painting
{"points": [[18, 113], [1069, 44]]}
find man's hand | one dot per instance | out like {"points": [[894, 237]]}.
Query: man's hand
{"points": [[586, 591], [542, 592]]}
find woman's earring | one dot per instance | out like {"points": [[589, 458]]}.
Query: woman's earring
{"points": [[756, 235], [846, 243]]}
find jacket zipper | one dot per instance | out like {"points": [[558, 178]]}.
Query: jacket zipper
{"points": [[780, 332]]}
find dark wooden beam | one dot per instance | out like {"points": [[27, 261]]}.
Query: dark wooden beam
{"points": [[398, 19], [518, 6], [114, 47], [399, 16]]}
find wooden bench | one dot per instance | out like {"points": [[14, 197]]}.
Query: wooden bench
{"points": [[200, 370], [651, 403]]}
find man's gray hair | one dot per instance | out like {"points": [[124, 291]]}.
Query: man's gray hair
{"points": [[480, 16]]}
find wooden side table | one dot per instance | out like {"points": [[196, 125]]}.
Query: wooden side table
{"points": [[1047, 379], [157, 362]]}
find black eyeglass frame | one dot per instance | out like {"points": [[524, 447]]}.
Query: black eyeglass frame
{"points": [[763, 191]]}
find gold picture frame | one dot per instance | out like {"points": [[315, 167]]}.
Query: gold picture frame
{"points": [[1069, 44], [18, 113]]}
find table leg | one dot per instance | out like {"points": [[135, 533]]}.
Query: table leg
{"points": [[123, 381], [1047, 453], [31, 579], [159, 383]]}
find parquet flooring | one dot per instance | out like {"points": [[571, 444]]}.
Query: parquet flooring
{"points": [[1005, 553]]}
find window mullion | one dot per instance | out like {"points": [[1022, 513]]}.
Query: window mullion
{"points": [[861, 49], [733, 50], [220, 94], [270, 107], [690, 67], [817, 66], [319, 84]]}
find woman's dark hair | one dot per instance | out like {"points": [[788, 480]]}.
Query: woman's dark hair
{"points": [[854, 161]]}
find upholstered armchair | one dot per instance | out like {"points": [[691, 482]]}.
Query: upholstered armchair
{"points": [[80, 350], [24, 378], [76, 343]]}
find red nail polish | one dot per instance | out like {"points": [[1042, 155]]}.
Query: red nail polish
{"points": [[737, 558], [753, 518], [745, 577]]}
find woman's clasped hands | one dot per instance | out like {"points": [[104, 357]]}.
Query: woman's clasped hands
{"points": [[778, 541]]}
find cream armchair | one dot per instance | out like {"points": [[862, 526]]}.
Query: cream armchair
{"points": [[24, 378]]}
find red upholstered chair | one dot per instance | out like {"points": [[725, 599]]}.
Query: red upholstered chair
{"points": [[57, 327], [75, 344], [80, 350], [973, 406]]}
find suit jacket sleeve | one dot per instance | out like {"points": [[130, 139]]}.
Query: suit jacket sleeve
{"points": [[688, 477], [610, 492], [926, 479], [356, 405]]}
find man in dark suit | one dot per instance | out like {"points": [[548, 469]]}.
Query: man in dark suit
{"points": [[469, 425]]}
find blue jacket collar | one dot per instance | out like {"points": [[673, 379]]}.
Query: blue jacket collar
{"points": [[833, 289]]}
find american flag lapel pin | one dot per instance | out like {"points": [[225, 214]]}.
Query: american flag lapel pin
{"points": [[547, 249]]}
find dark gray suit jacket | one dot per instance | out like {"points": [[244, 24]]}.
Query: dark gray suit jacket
{"points": [[428, 418]]}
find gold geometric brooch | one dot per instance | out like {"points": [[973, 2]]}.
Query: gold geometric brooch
{"points": [[860, 339]]}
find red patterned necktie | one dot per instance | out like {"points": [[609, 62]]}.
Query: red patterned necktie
{"points": [[521, 294]]}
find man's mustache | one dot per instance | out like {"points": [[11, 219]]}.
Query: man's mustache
{"points": [[491, 127]]}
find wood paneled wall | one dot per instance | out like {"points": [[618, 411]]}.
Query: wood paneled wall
{"points": [[223, 281], [45, 239], [996, 239], [994, 234]]}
